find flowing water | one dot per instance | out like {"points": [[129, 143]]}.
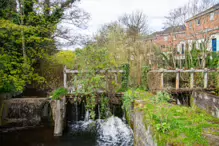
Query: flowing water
{"points": [[109, 132]]}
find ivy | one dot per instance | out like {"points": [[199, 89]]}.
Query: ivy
{"points": [[125, 77], [145, 71]]}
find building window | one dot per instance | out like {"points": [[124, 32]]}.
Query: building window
{"points": [[198, 22], [183, 49], [166, 38], [212, 16]]}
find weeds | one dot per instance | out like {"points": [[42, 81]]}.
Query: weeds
{"points": [[59, 93]]}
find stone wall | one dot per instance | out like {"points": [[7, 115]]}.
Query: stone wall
{"points": [[142, 134], [24, 111], [207, 102]]}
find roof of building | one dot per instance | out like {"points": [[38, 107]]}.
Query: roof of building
{"points": [[172, 29], [211, 9]]}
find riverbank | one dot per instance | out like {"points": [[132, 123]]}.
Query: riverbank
{"points": [[171, 124]]}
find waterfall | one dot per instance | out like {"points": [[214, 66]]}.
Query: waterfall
{"points": [[114, 132], [82, 110], [124, 117], [87, 116], [76, 111]]}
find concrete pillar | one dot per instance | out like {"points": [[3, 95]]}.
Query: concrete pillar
{"points": [[206, 78], [65, 77], [60, 111]]}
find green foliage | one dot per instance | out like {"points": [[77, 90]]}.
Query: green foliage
{"points": [[162, 127], [130, 96], [145, 71], [26, 38], [213, 60], [128, 100], [15, 74], [104, 106], [173, 124], [59, 93], [90, 83], [125, 77], [162, 97], [94, 58], [66, 58]]}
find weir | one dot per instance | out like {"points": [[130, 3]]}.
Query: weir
{"points": [[25, 111], [59, 106]]}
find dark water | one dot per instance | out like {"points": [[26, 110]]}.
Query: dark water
{"points": [[44, 137], [112, 131]]}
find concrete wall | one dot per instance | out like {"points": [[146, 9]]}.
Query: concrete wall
{"points": [[24, 111], [207, 102], [142, 135]]}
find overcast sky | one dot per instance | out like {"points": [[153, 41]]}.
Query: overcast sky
{"points": [[104, 11]]}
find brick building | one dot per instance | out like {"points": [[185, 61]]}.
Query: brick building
{"points": [[202, 30]]}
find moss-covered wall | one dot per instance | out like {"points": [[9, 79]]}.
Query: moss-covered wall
{"points": [[207, 102], [157, 120], [23, 111], [143, 135]]}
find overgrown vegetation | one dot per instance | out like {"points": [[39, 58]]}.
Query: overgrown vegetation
{"points": [[59, 93], [28, 31], [172, 124]]}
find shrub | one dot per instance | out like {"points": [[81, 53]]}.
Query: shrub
{"points": [[59, 93]]}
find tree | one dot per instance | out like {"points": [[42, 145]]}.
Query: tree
{"points": [[27, 31], [135, 23]]}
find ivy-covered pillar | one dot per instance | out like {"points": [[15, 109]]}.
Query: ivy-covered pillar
{"points": [[125, 76]]}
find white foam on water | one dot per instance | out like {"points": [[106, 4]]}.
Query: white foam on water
{"points": [[114, 132], [110, 132], [87, 116]]}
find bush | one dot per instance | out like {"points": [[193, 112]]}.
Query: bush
{"points": [[59, 93], [162, 97]]}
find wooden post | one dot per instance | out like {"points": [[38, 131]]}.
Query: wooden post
{"points": [[206, 78], [161, 80], [116, 77], [65, 77], [177, 78], [192, 78]]}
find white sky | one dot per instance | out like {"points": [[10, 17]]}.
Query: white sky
{"points": [[104, 11]]}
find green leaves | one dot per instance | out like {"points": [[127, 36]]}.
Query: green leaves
{"points": [[59, 93], [66, 58]]}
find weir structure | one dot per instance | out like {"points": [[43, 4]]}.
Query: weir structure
{"points": [[191, 93], [191, 73], [59, 106]]}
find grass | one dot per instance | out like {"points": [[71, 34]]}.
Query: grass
{"points": [[173, 124]]}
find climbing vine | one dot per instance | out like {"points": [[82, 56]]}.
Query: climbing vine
{"points": [[145, 71], [125, 77]]}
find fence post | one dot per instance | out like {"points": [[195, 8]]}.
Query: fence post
{"points": [[205, 78], [65, 77], [192, 78], [177, 78], [116, 77], [161, 79]]}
